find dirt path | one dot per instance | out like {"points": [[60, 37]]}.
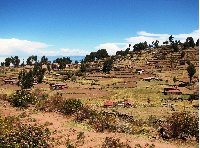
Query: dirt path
{"points": [[64, 128]]}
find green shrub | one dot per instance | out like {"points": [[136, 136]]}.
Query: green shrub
{"points": [[181, 125], [53, 103], [71, 106], [65, 78], [153, 121], [79, 73], [103, 121], [15, 134], [22, 98], [73, 78], [41, 95], [111, 142]]}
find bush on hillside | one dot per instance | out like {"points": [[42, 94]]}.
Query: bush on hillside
{"points": [[41, 95], [71, 106], [111, 142], [53, 103], [181, 125], [73, 78], [22, 98], [59, 104], [15, 134], [103, 121]]}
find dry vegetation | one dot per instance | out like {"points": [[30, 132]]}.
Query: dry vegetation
{"points": [[75, 116]]}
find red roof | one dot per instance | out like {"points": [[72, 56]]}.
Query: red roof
{"points": [[173, 90], [108, 103]]}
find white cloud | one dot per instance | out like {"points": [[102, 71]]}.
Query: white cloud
{"points": [[112, 48], [150, 37], [143, 36], [144, 33], [138, 39], [13, 46], [182, 37], [16, 46]]}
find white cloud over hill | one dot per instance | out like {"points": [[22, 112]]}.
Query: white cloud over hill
{"points": [[13, 46], [16, 46], [146, 36]]}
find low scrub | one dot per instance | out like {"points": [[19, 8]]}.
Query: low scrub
{"points": [[111, 142], [180, 125], [53, 103], [41, 95], [22, 98], [71, 106], [59, 104], [15, 134], [105, 121]]}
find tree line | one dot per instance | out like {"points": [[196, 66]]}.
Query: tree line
{"points": [[31, 60]]}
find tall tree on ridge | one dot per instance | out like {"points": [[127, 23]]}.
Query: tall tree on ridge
{"points": [[191, 71]]}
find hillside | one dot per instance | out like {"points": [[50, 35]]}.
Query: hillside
{"points": [[130, 102]]}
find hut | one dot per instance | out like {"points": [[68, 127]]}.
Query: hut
{"points": [[108, 103]]}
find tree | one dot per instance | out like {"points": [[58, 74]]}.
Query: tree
{"points": [[123, 53], [140, 46], [15, 61], [179, 43], [83, 67], [91, 57], [175, 46], [7, 62], [38, 72], [107, 65], [22, 65], [189, 42], [71, 106], [166, 42], [102, 53], [155, 43], [2, 63], [26, 79], [182, 54], [76, 62], [44, 60], [127, 51], [174, 79], [191, 71], [171, 39], [31, 60], [197, 43], [62, 62]]}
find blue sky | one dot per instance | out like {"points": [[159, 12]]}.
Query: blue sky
{"points": [[67, 27]]}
